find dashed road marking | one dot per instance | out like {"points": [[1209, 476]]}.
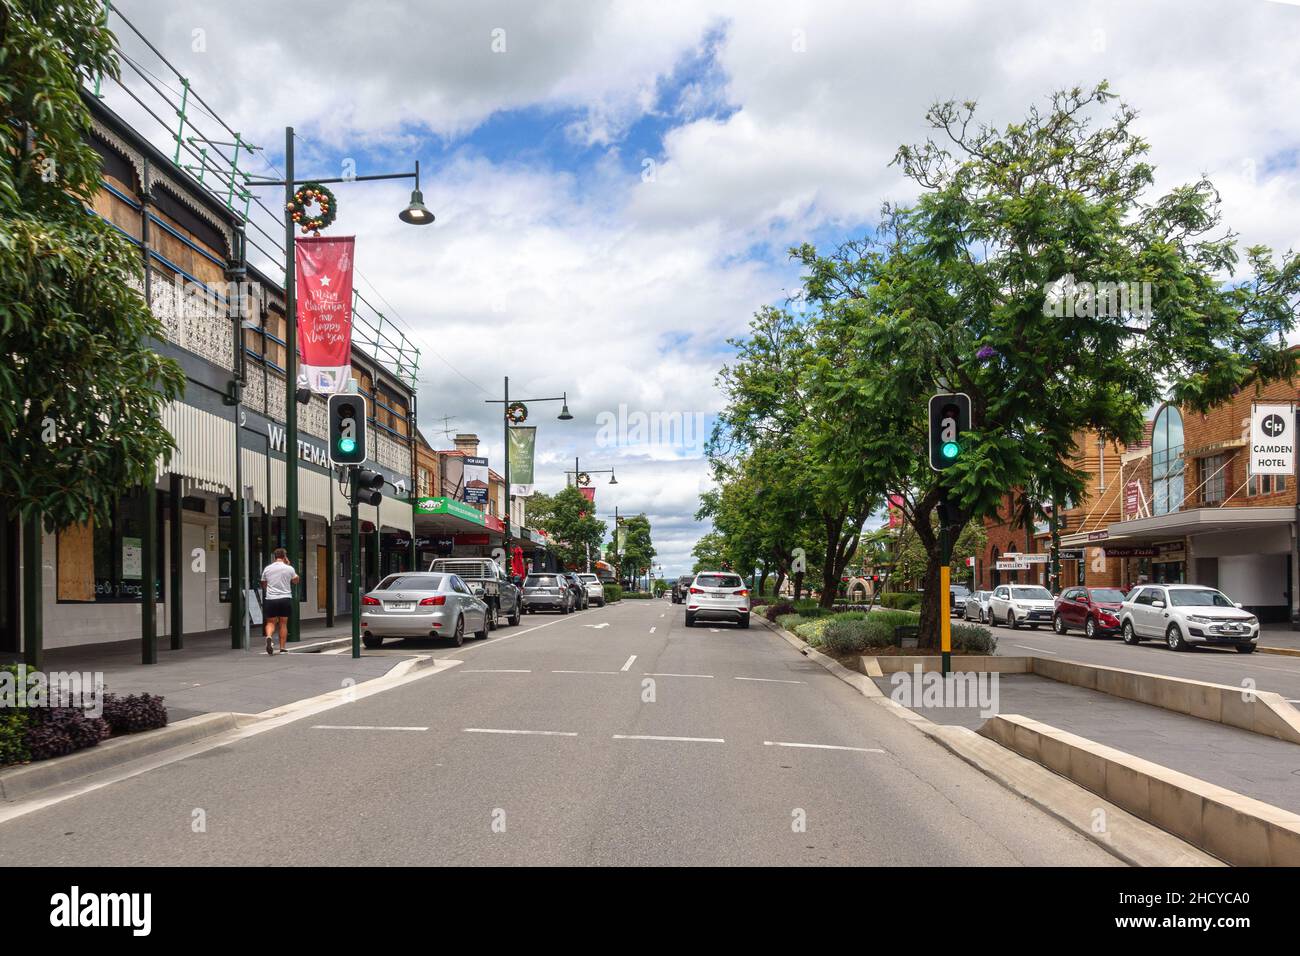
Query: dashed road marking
{"points": [[360, 727], [710, 676], [1028, 648], [629, 663], [770, 680], [691, 740], [496, 670], [584, 672], [537, 733], [652, 630]]}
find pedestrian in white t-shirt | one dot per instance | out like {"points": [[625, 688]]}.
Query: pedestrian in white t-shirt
{"points": [[278, 579]]}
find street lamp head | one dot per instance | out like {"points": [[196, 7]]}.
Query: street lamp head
{"points": [[613, 478], [416, 214], [564, 415]]}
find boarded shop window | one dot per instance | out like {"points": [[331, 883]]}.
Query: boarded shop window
{"points": [[76, 563]]}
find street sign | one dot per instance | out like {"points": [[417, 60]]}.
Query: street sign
{"points": [[1013, 565], [1272, 440], [1026, 558], [1071, 554]]}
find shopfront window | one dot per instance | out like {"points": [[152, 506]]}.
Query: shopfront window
{"points": [[1167, 461], [1265, 485], [1213, 472], [102, 561]]}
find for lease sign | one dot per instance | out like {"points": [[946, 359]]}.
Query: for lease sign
{"points": [[1272, 440]]}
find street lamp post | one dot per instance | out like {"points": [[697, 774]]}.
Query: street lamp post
{"points": [[415, 214], [506, 402], [578, 482]]}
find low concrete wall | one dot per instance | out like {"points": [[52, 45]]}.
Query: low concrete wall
{"points": [[965, 663], [1235, 828], [1261, 712]]}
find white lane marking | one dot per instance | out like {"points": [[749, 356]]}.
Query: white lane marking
{"points": [[771, 680], [861, 750], [360, 727], [538, 733], [663, 615], [1028, 648], [692, 740], [710, 676], [505, 637], [495, 670], [652, 630], [584, 672], [714, 630], [598, 626], [629, 663]]}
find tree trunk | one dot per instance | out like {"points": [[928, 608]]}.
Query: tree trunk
{"points": [[798, 585], [780, 583]]}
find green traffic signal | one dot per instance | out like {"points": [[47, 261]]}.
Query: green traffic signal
{"points": [[950, 450], [347, 445]]}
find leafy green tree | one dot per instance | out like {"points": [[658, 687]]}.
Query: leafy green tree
{"points": [[539, 509], [638, 550], [81, 390], [709, 552], [573, 528], [969, 289]]}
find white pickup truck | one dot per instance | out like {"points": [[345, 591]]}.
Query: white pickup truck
{"points": [[487, 580]]}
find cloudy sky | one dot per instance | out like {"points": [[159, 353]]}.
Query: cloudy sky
{"points": [[616, 184]]}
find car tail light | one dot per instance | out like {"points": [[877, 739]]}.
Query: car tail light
{"points": [[697, 590], [742, 592], [369, 601], [434, 601]]}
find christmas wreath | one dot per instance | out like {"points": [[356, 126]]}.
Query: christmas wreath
{"points": [[322, 198], [517, 413], [584, 479]]}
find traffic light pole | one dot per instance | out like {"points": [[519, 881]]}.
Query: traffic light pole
{"points": [[945, 580], [354, 494]]}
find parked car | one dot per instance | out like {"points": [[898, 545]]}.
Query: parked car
{"points": [[977, 607], [1095, 611], [680, 587], [547, 592], [1017, 604], [957, 595], [1185, 616], [717, 596], [580, 598], [595, 590], [421, 604], [489, 581]]}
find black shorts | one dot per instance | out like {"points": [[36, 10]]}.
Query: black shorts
{"points": [[277, 607]]}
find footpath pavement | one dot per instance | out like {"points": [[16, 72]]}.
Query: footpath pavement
{"points": [[207, 676]]}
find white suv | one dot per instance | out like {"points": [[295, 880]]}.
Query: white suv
{"points": [[1185, 615], [717, 596], [595, 590], [1016, 604]]}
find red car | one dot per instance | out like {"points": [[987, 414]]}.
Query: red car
{"points": [[1092, 610]]}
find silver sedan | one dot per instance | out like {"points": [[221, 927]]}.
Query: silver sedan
{"points": [[977, 607], [422, 604]]}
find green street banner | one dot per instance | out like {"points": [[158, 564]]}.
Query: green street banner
{"points": [[523, 442]]}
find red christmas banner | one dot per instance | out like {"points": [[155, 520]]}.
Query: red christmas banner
{"points": [[324, 294], [589, 493]]}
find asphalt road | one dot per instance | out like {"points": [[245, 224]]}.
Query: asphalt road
{"points": [[614, 736], [1219, 666]]}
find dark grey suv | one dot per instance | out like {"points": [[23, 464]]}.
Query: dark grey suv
{"points": [[547, 592]]}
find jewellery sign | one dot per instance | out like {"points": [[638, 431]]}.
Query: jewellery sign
{"points": [[324, 291], [1272, 440]]}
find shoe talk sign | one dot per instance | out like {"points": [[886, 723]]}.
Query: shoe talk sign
{"points": [[1272, 440]]}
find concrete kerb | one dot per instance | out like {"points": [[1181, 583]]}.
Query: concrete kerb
{"points": [[1125, 835], [27, 779], [1238, 829]]}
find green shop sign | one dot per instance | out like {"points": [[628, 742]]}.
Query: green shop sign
{"points": [[449, 506]]}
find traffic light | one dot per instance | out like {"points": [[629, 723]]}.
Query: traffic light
{"points": [[370, 487], [949, 423], [347, 414]]}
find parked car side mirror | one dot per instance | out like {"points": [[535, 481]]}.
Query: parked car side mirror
{"points": [[1157, 603], [1236, 604], [478, 590]]}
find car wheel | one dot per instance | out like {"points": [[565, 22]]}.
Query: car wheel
{"points": [[1245, 648], [1130, 635], [371, 640], [490, 619], [982, 621], [1174, 638], [513, 619], [1058, 625], [1011, 621], [1090, 629], [744, 621], [690, 620], [458, 635], [487, 626]]}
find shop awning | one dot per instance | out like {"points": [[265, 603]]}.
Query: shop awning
{"points": [[205, 446], [1191, 521]]}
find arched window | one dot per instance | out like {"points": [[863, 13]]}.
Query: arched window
{"points": [[1167, 461]]}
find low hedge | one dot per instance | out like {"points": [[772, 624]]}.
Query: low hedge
{"points": [[901, 600], [974, 639], [134, 713], [613, 592], [773, 611]]}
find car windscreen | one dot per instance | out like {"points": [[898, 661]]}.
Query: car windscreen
{"points": [[959, 590], [589, 578], [541, 581], [1107, 595], [410, 582], [718, 581], [1030, 594], [1198, 598]]}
